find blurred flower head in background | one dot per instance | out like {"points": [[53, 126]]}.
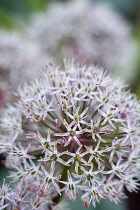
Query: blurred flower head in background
{"points": [[20, 60], [90, 32], [72, 130]]}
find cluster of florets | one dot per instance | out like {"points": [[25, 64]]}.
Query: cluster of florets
{"points": [[86, 31], [72, 130], [19, 60]]}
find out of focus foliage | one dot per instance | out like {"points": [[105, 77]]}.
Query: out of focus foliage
{"points": [[5, 20], [22, 7], [11, 11]]}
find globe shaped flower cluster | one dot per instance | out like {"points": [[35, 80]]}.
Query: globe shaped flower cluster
{"points": [[73, 130], [90, 32]]}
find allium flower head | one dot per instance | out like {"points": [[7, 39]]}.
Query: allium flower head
{"points": [[87, 31], [75, 130]]}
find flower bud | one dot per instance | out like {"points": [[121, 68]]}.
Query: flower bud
{"points": [[85, 202], [57, 123], [31, 136]]}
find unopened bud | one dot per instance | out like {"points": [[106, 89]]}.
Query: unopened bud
{"points": [[62, 141], [31, 136], [54, 192], [57, 123], [85, 202]]}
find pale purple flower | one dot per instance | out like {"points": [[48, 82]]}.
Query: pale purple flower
{"points": [[71, 187], [88, 31], [77, 130]]}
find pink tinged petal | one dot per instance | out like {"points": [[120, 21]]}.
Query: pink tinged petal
{"points": [[77, 140], [62, 134]]}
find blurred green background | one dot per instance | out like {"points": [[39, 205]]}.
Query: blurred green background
{"points": [[13, 13]]}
